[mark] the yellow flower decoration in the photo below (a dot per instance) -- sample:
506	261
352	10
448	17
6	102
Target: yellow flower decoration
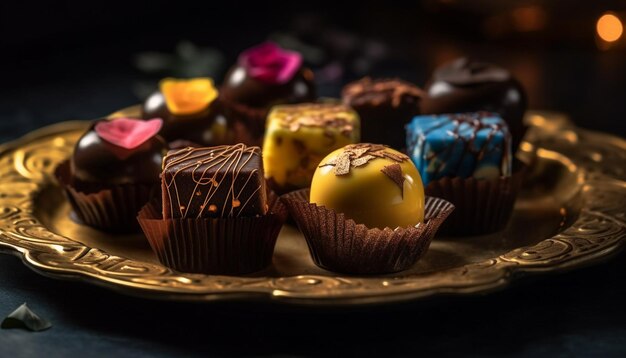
185	97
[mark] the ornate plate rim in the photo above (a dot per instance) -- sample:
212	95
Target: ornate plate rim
598	232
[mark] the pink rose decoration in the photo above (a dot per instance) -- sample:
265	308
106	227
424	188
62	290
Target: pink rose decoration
127	132
269	63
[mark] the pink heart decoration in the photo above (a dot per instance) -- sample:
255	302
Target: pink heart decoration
269	63
128	133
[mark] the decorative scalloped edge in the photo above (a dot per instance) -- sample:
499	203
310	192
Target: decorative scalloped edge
26	166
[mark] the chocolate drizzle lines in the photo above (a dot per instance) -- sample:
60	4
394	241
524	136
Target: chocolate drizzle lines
356	155
394	172
474	120
229	160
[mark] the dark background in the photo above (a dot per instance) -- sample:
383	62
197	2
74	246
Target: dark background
66	60
83	59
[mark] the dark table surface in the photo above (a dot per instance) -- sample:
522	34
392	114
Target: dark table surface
578	313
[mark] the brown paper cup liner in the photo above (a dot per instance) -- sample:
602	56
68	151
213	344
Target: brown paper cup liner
112	208
339	244
482	206
225	246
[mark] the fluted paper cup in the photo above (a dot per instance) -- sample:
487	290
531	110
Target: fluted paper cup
339	244
110	208
483	206
235	245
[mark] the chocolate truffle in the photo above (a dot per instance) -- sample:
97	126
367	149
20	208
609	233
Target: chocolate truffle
118	151
467	86
264	76
213	182
460	145
385	106
299	136
113	172
191	112
371	184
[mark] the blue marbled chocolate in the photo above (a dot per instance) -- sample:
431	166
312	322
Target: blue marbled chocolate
459	145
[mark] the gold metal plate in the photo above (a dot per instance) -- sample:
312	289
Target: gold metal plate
570	213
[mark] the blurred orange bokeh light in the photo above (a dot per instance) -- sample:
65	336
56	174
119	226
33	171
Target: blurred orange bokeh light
609	27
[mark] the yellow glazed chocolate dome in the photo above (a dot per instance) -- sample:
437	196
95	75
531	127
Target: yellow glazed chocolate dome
371	184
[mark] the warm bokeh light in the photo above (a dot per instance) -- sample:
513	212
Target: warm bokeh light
609	27
529	18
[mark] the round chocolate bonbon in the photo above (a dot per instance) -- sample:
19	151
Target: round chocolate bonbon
371	184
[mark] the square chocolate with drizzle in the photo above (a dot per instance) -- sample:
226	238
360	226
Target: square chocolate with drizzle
462	145
217	182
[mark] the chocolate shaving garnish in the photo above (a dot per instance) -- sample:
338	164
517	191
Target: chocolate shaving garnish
342	167
320	115
356	155
362	161
359	152
394	172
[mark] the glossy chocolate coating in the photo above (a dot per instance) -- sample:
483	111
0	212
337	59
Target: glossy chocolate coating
240	88
207	128
371	184
222	181
385	106
467	86
96	161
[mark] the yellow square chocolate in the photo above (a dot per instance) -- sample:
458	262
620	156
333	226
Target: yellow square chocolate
299	136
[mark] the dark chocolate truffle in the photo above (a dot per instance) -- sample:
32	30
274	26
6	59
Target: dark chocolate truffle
264	76
385	106
202	124
467	86
100	161
222	181
241	88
